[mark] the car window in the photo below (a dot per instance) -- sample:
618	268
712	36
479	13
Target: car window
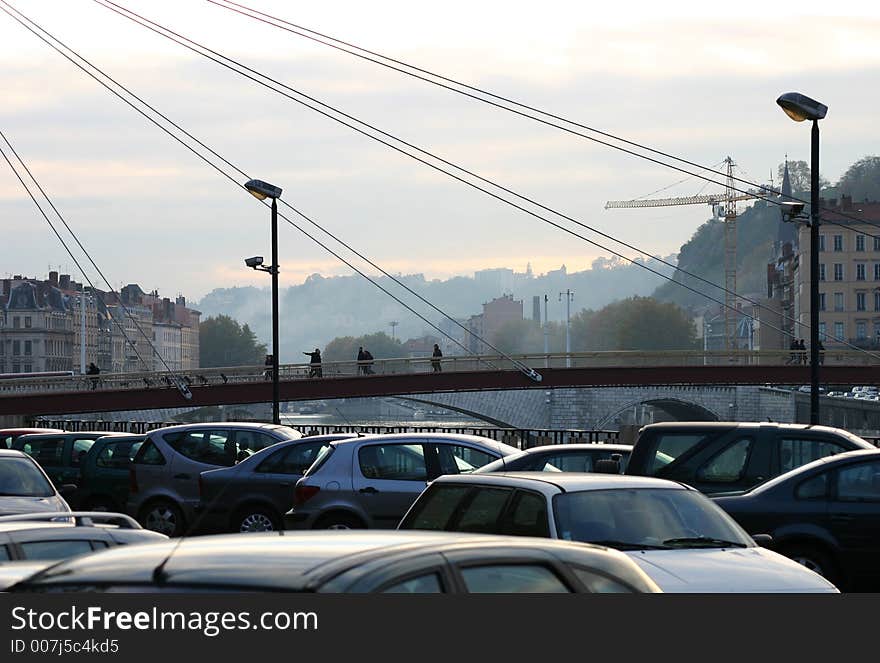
859	483
483	513
794	452
149	454
457	459
814	488
322	457
46	452
19	477
512	578
729	464
6	442
435	508
55	549
574	461
212	447
669	446
79	450
599	583
426	584
117	455
4	554
295	459
400	462
528	515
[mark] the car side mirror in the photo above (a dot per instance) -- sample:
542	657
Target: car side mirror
763	540
67	489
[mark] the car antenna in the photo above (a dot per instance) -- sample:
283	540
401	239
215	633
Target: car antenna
346	419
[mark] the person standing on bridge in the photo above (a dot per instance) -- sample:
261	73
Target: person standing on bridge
362	364
368	357
315	364
93	370
802	351
435	359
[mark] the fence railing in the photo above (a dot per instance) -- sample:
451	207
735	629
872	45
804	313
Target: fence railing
418	365
522	438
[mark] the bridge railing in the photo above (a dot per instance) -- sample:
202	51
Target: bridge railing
418	365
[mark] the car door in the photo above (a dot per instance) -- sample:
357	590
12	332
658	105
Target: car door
387	477
854	515
276	476
199	450
722	467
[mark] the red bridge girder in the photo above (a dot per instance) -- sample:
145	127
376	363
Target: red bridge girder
391	385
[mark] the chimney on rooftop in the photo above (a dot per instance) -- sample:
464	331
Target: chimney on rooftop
64	281
846	202
53	278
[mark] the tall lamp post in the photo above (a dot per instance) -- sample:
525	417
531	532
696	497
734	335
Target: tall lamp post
262	190
799	108
569	295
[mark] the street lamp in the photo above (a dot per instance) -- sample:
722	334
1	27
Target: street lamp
262	190
799	108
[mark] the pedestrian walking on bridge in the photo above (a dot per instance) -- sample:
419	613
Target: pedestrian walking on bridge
315	364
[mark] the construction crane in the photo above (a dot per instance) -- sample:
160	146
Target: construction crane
722	204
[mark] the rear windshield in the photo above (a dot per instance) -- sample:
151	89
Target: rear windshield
19	477
322	457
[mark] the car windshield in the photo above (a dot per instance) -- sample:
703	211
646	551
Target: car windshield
19	477
639	518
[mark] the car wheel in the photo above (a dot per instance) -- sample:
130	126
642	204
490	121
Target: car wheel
339	521
164	517
256	519
815	559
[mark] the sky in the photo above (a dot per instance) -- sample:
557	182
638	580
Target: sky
694	81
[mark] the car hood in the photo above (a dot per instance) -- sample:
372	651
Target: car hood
753	570
12	506
13	572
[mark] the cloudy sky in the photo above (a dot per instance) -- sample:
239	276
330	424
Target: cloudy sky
697	82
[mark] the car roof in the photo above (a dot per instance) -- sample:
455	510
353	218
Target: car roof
26	431
13	453
561	481
219	424
592	446
272	560
835	459
720	425
452	437
90	433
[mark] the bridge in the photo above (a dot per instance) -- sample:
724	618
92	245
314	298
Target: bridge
666	379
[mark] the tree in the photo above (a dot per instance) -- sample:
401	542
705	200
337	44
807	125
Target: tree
519	337
637	323
380	345
862	180
223	342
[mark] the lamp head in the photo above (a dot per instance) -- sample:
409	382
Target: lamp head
254	262
262	190
800	107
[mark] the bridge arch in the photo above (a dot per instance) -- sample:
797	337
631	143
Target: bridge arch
677	408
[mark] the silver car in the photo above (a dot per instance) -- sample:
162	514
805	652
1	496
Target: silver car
164	475
372	481
25	488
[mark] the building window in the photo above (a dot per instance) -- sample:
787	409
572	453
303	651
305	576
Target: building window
838	242
877	271
16	367
27	348
821	242
877	243
838	330
860	242
838	301
822	271
16	349
28	368
861	330
838	271
16	322
860	272
27	322
822	336
877	331
822	301
877	301
860	301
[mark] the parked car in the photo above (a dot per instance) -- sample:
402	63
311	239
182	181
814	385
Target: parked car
59	535
372	481
60	454
104	473
164	474
726	456
25	488
825	515
562	458
9	435
254	495
354	562
679	537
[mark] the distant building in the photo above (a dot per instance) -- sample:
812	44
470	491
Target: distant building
487	324
420	347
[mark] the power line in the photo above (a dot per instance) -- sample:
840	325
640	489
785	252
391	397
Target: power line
522	367
194	46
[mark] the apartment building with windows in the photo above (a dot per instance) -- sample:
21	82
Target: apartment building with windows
849	273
